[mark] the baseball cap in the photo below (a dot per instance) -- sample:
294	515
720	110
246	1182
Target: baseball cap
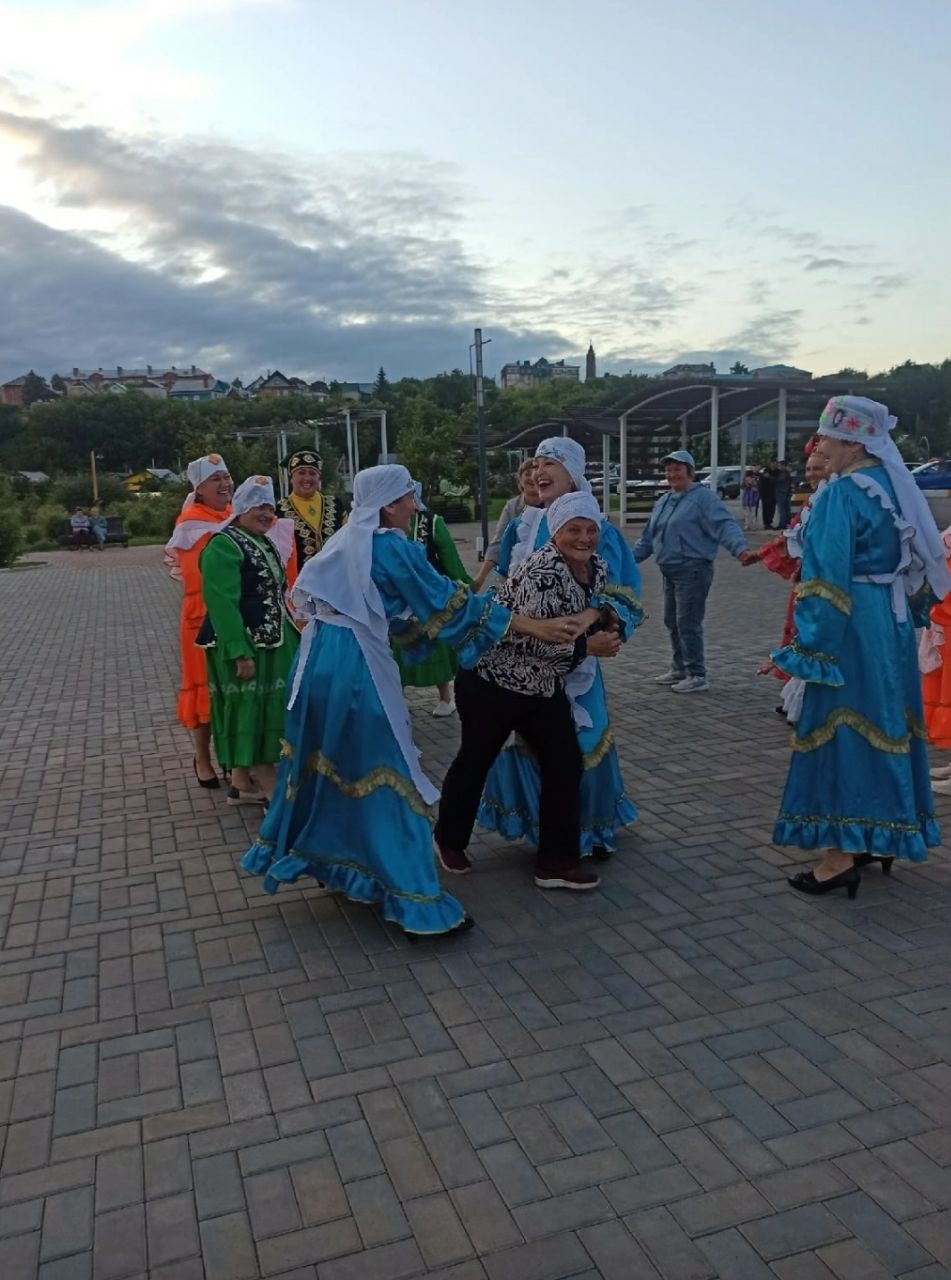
681	455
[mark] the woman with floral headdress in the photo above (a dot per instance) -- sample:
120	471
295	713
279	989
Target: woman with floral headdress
512	796
205	511
249	640
352	805
858	786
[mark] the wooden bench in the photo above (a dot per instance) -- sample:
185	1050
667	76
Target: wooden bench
115	534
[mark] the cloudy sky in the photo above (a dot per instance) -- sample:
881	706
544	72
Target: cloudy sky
326	187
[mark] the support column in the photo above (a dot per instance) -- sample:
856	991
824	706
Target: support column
385	457
683	431
714	436
622	470
744	442
349	426
606	474
781	425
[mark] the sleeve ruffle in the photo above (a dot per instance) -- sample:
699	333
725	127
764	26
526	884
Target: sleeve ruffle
625	606
808	665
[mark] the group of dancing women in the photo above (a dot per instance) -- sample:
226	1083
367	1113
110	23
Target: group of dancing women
289	668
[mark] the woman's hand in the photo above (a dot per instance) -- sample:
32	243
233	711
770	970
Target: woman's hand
604	644
550	630
244	668
748	557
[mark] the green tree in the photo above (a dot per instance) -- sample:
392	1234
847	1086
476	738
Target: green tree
35	389
739	368
428	443
381	388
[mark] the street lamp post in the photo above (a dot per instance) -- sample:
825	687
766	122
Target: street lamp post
483	461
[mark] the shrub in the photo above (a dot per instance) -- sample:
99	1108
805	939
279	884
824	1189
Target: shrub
11	535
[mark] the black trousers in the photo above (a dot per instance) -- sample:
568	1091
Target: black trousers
489	714
768	501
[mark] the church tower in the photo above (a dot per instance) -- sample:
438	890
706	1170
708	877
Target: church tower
590	364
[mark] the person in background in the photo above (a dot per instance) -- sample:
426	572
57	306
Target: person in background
316	516
527	496
249	640
767	493
784	487
98	525
205	510
936	680
749	499
858	786
686	529
432	534
79	529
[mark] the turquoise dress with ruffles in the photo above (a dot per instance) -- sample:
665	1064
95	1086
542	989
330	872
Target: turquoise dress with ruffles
346	810
858	780
512	791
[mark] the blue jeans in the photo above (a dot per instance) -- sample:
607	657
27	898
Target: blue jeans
685	598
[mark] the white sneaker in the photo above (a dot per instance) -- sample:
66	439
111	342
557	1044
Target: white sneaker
942	786
691	684
941	771
669	677
444	709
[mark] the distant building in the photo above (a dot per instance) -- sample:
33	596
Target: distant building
275	386
135	482
11	392
690	371
590	364
35	477
354	392
523	374
158	383
774	372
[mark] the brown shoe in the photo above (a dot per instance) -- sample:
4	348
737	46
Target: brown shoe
574	879
453	860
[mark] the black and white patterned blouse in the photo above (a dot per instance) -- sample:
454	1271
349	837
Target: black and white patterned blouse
541	587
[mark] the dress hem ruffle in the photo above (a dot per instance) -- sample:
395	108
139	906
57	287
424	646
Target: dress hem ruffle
519	824
811	670
432	916
884	840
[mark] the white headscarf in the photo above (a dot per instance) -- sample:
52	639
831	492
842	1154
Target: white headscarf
202	468
572	506
869	423
571	456
256	491
339	575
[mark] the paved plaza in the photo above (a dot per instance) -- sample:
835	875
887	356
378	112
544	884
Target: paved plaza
693	1073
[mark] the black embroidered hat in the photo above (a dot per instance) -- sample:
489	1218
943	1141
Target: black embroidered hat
302	458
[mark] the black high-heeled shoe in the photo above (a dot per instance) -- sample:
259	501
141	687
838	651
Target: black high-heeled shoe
464	925
870	860
210	784
806	882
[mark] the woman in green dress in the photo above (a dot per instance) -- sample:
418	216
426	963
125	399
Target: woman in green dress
249	639
440	665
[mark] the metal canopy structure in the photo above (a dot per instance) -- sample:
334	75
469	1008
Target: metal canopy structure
687	407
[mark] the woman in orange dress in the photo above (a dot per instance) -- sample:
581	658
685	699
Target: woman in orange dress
934	659
204	512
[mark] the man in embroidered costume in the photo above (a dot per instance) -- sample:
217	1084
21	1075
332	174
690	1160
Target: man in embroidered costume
858	785
432	533
205	510
316	515
510	803
249	641
352	804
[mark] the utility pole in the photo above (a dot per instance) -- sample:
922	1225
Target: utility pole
483	463
95	479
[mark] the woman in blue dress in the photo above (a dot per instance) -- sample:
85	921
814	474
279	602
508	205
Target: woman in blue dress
858	787
512	792
352	806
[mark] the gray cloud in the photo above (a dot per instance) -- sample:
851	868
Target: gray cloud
239	259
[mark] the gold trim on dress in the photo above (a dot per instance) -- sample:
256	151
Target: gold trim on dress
913	828
815	654
381	776
827	591
314	861
417	631
876	737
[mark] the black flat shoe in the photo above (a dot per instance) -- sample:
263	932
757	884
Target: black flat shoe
464	925
870	860
806	882
600	854
210	784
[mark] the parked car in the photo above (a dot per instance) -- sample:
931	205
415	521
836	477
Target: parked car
935	474
728	480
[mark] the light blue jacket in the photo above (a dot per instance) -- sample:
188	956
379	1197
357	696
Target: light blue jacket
692	525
